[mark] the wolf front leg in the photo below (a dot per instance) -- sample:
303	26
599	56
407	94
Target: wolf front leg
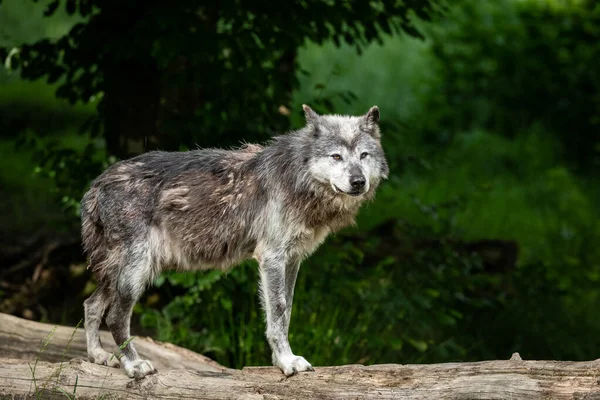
273	289
291	273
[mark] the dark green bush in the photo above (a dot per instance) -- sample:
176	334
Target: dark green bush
505	66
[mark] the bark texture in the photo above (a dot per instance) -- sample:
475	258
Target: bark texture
184	374
24	340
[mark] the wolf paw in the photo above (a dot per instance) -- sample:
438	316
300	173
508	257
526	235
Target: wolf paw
103	357
291	365
139	368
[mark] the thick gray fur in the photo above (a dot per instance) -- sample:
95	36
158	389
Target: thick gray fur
214	208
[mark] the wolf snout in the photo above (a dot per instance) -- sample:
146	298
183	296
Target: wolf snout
357	182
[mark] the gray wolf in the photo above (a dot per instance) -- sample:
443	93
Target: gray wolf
214	208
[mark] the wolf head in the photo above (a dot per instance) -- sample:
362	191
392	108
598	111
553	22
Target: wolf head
346	152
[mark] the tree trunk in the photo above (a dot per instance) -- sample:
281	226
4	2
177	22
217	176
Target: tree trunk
131	105
184	374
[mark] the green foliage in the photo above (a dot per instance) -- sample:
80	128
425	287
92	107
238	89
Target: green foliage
180	75
477	121
215	313
506	66
24	22
513	188
207	74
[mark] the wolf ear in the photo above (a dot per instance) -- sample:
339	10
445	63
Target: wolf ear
372	116
310	114
371	123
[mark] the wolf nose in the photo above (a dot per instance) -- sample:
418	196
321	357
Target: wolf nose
357	181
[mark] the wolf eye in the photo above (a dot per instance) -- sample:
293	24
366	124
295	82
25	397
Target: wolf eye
363	155
336	157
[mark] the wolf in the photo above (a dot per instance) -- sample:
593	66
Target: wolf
214	208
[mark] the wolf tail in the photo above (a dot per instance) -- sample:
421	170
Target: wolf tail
94	241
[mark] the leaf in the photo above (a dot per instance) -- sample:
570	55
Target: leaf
71	6
226	303
396	344
160	280
420	345
85	127
51	8
67	395
85	7
55	74
96	126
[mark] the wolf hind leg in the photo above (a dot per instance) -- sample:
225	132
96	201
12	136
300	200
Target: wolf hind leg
129	288
94	309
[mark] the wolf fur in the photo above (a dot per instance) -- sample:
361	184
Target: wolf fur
214	208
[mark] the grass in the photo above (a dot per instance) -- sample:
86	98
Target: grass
42	390
45	343
67	349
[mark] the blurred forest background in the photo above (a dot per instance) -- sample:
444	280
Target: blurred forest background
484	241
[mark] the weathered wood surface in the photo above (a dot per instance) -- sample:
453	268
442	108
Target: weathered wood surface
483	380
22	339
510	379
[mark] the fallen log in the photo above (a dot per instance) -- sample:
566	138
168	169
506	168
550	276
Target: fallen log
23	339
77	378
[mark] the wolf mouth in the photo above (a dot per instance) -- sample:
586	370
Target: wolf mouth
354	193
